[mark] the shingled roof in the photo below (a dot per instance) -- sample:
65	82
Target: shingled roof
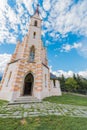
0	78
52	76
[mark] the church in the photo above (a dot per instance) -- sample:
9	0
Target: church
27	73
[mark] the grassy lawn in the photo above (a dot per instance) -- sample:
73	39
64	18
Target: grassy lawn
44	123
2	102
68	99
49	122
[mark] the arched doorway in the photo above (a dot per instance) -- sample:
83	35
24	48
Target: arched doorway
28	84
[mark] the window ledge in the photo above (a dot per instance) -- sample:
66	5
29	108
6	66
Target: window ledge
31	62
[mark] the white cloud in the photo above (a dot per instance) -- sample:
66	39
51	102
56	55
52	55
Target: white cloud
59	73
68	47
64	16
69	73
8	21
47	43
83	49
28	5
46	5
43	13
83	73
12	18
67	16
4	59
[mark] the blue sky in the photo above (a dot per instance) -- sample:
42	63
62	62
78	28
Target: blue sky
64	32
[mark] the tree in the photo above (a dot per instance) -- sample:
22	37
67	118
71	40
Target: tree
62	82
74	76
83	86
82	82
71	85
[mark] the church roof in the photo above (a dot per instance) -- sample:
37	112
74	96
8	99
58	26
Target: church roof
53	77
36	13
0	78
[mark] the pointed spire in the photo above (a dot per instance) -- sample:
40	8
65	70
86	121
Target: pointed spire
37	10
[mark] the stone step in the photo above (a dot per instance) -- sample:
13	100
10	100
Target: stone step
26	97
30	98
25	100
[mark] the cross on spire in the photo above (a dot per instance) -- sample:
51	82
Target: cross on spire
37	10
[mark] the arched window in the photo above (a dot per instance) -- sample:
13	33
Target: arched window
35	23
32	54
34	35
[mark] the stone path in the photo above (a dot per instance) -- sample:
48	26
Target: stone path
42	109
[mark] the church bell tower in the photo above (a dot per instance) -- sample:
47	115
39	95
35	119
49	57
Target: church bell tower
35	29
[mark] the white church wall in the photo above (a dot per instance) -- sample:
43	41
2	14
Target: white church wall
12	67
55	90
45	91
6	92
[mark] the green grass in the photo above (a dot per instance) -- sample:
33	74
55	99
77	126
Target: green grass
45	123
2	102
68	99
49	122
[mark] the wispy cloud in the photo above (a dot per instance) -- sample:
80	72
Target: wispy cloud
81	47
64	16
14	20
69	47
67	16
4	59
47	5
83	50
69	73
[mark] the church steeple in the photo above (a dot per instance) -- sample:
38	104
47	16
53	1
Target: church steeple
35	28
37	13
37	10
